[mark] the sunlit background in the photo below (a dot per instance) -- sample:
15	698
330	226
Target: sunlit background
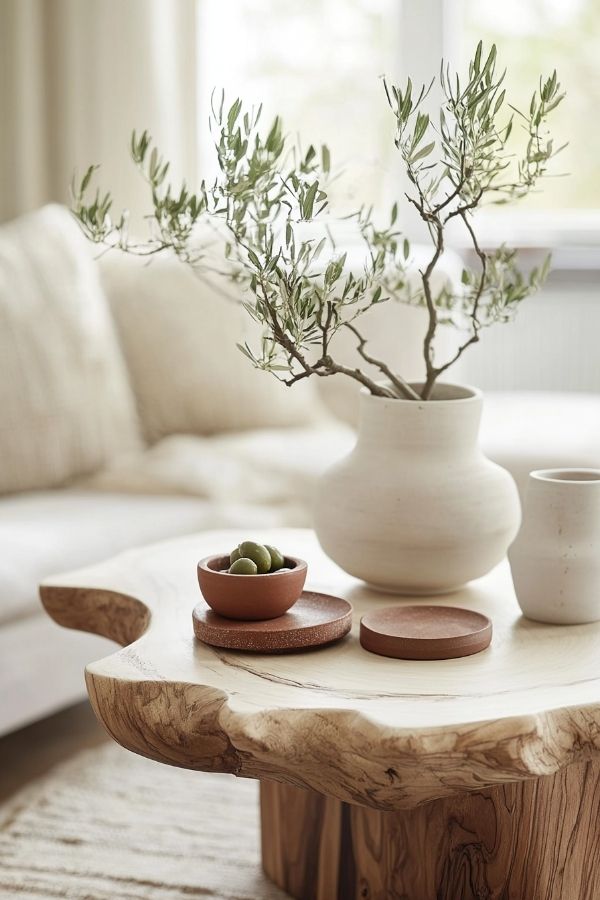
78	76
319	64
537	37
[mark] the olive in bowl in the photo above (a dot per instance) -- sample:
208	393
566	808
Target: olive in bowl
250	596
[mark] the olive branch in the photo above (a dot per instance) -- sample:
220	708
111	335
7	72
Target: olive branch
300	289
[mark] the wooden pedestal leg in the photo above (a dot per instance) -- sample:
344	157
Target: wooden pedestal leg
534	840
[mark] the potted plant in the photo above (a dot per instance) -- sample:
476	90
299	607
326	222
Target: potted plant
415	507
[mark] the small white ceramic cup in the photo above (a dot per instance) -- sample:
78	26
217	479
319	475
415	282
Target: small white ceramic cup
555	559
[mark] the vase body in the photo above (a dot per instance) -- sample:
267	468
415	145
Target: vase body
555	559
416	507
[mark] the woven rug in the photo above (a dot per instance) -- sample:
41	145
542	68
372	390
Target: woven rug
109	825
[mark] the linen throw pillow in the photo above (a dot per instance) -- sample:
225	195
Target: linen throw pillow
65	400
179	334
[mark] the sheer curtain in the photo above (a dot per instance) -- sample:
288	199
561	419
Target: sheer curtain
76	76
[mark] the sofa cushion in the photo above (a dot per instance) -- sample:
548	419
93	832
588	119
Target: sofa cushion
32	647
66	402
274	467
520	431
47	532
179	335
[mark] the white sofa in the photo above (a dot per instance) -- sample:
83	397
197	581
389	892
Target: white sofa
129	416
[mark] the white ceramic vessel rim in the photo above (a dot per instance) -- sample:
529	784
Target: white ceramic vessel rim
468	394
567	476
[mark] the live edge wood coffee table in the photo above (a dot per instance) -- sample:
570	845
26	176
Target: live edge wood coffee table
462	779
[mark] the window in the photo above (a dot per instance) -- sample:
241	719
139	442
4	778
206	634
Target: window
533	38
317	62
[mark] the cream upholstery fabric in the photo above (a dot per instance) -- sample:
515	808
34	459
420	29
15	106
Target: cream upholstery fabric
179	337
47	532
276	467
65	400
520	431
32	647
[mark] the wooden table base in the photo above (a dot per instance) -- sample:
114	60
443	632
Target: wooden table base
534	840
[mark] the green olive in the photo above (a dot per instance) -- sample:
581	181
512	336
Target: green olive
243	566
258	554
235	554
277	560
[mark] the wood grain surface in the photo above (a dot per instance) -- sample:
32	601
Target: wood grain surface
535	840
383	733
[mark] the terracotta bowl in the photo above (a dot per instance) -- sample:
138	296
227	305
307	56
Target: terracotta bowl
250	597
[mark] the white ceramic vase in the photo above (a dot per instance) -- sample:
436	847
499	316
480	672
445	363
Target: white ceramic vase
555	559
416	508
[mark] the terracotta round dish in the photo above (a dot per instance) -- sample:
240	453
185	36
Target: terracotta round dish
250	597
315	620
425	632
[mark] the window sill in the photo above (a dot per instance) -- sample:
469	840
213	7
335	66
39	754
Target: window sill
575	249
571	236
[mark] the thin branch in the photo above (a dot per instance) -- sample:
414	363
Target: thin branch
324	366
399	383
440	369
483	260
466	207
431	373
325	328
475	324
440	206
334	368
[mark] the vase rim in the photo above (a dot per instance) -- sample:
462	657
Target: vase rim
566	475
466	393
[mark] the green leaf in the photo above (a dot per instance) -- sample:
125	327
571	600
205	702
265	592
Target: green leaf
489	63
545	267
234	111
421	154
309	200
420	128
499	101
319	248
532	104
274	137
87	178
246	351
